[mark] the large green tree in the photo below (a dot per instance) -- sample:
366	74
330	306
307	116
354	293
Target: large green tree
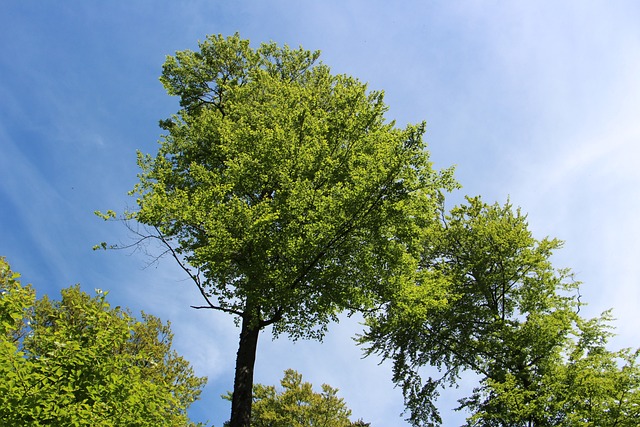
283	192
512	318
80	362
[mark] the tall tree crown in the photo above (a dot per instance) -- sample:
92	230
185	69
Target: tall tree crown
281	187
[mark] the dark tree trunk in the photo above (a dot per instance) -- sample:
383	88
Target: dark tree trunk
243	382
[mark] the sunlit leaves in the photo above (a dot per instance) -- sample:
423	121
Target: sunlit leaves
512	318
283	184
80	362
298	405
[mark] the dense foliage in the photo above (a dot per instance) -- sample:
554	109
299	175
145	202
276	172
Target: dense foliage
283	192
511	318
297	405
80	362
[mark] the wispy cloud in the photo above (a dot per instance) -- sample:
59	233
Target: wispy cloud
537	101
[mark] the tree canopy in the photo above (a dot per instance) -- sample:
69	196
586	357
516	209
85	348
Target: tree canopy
283	192
297	405
80	362
513	319
283	185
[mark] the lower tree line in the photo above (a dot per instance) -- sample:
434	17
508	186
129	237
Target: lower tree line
505	313
78	361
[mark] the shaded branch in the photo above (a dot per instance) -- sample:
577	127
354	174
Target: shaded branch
194	277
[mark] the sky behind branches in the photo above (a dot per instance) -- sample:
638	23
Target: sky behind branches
536	102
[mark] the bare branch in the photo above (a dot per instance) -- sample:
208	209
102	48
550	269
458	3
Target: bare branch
217	307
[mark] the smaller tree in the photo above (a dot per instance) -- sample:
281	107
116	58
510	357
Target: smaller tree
79	362
297	405
512	318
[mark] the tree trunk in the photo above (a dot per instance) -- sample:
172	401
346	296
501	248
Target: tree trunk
243	382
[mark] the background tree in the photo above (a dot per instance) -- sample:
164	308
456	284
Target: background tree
597	386
588	385
297	405
79	362
511	318
283	192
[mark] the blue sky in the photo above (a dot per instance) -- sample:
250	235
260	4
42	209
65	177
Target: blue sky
537	101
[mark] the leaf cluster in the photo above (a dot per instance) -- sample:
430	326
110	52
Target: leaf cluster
79	362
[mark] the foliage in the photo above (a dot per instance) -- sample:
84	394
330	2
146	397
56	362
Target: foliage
587	386
79	362
297	405
283	192
511	318
283	185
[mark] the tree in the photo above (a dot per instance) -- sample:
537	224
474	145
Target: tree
79	362
596	386
588	385
283	192
297	405
511	318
